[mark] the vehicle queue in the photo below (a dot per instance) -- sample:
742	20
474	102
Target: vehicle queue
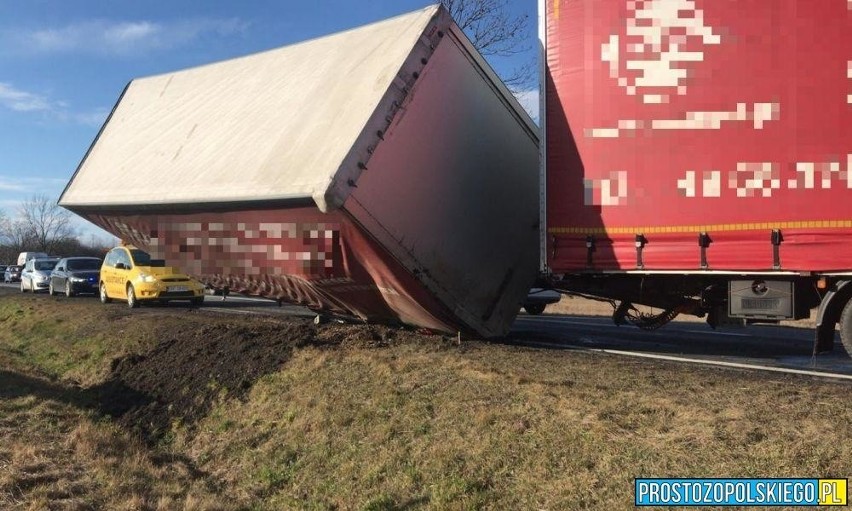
130	274
126	273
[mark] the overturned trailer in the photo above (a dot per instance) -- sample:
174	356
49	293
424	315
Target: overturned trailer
384	172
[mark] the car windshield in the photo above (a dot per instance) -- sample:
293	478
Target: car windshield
140	257
14	268
44	265
84	264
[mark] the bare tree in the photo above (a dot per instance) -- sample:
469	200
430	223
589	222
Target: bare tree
495	32
7	250
42	224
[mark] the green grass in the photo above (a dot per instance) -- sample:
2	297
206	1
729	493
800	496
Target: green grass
39	335
418	424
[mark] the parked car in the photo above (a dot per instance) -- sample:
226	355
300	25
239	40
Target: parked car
12	273
129	273
538	299
36	274
74	275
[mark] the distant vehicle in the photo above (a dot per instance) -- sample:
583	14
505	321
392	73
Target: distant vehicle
129	273
36	274
2	268
74	275
23	257
12	273
538	299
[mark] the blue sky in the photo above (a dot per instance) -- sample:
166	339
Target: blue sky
63	65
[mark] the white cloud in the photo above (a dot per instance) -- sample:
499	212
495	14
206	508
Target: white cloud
15	189
29	102
31	185
22	101
529	100
7	185
105	37
94	117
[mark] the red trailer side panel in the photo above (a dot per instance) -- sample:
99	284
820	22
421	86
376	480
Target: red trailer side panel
669	118
300	255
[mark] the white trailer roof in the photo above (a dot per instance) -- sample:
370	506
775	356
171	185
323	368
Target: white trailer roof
270	126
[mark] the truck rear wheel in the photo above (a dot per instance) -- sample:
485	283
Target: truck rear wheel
846	327
534	309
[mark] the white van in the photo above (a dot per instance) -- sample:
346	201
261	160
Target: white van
23	257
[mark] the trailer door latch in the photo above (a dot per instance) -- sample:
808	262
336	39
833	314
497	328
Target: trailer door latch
590	249
641	241
704	242
776	238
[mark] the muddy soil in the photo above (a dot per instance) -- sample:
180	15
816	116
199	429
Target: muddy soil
200	358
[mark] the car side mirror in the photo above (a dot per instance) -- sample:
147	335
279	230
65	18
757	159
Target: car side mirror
120	266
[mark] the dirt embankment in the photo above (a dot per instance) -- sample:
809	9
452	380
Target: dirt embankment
201	359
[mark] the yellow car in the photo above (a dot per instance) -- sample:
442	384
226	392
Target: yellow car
129	273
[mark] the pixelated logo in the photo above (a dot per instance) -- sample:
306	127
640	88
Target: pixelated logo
660	43
609	191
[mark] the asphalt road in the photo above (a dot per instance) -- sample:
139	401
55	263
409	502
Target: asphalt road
765	346
759	345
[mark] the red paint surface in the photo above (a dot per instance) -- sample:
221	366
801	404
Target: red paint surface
791	53
299	255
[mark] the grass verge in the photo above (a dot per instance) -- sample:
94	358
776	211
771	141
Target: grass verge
360	417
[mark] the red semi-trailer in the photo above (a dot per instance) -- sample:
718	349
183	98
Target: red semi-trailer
698	157
383	172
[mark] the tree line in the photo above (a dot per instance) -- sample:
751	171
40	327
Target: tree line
41	225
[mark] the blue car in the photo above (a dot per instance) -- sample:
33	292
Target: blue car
75	275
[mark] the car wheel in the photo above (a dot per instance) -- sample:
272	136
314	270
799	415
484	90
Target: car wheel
104	296
23	289
50	289
534	309
68	292
132	302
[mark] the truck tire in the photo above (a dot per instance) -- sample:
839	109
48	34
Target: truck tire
534	309
846	327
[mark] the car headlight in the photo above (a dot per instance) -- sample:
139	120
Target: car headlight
77	279
144	277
